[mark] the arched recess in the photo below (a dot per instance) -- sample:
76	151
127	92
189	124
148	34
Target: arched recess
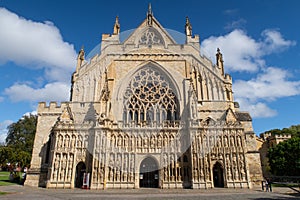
149	173
80	170
218	175
150	95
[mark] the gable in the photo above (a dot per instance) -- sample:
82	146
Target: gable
150	32
66	115
229	116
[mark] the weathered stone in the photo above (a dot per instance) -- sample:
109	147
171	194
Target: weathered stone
146	112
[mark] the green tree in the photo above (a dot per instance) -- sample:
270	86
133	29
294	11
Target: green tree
6	153
20	139
293	130
284	158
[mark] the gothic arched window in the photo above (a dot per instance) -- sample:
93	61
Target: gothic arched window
149	97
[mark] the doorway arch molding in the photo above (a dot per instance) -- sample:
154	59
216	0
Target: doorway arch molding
149	172
218	174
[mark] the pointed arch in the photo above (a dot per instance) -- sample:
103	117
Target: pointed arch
221	88
150	90
218	174
217	90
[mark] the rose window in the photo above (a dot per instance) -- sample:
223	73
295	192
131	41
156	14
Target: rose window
149	97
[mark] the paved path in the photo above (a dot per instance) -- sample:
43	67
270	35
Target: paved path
24	193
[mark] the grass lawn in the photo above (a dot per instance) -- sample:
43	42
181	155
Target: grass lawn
2	193
4	179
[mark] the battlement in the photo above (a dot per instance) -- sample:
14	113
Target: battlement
52	106
283	136
274	139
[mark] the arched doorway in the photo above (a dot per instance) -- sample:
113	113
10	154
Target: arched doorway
149	173
218	175
80	170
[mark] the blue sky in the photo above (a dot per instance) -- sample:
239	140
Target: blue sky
259	39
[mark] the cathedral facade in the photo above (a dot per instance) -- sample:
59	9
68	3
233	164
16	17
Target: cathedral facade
146	112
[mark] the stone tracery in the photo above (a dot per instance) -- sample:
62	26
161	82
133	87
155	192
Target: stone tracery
149	97
151	37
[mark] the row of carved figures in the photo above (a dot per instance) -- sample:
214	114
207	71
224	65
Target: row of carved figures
120	167
154	141
233	165
62	167
67	142
132	143
218	140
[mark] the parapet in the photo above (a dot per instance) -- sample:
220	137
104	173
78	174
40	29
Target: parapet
52	107
105	36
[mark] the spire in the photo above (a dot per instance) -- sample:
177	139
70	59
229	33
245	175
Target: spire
188	27
149	15
219	58
116	27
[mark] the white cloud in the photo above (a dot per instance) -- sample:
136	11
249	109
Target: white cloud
235	24
257	109
270	85
30	113
267	86
231	12
244	54
274	42
35	44
240	52
57	91
3	130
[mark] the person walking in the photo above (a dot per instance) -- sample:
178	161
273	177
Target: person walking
267	185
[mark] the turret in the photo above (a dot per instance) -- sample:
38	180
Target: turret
190	39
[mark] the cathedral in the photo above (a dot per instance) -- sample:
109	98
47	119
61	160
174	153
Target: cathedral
146	111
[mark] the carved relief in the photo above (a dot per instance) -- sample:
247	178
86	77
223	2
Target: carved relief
151	37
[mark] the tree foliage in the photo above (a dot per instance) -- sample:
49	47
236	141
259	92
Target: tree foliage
19	141
284	158
293	130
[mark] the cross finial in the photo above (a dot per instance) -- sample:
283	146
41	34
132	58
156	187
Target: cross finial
149	15
150	10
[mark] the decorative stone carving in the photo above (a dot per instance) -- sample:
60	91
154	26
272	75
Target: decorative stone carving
151	37
132	102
